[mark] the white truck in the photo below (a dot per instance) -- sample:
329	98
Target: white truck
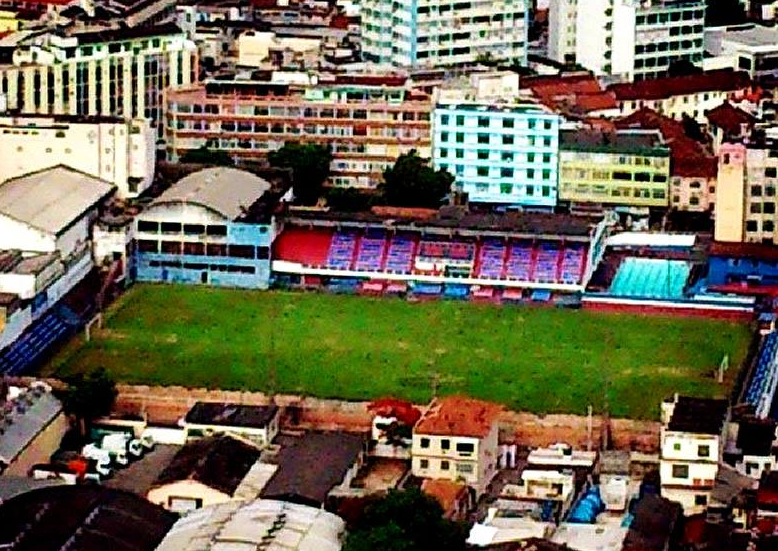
123	442
91	451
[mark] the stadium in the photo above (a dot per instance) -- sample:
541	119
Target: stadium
431	309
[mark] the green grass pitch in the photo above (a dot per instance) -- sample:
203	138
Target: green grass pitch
538	359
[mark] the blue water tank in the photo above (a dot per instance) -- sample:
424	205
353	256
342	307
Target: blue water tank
588	507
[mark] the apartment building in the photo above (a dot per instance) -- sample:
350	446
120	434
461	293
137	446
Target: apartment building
456	439
562	17
692	444
121	73
745	198
109	148
626	167
750	47
636	39
367	120
501	147
429	33
690	95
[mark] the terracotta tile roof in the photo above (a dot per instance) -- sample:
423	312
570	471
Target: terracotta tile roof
724	80
729	118
689	157
447	492
580	92
458	416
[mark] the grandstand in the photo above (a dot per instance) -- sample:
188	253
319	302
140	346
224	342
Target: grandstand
645	272
450	253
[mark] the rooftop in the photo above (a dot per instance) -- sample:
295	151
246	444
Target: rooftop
262	524
51	199
725	80
82	518
220	463
127	33
311	466
227	191
698	415
640	142
446	492
28	414
578	93
231	415
729	118
749	34
458	416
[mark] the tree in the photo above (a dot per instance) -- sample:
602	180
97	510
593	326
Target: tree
204	155
411	182
349	199
310	164
89	397
405	520
724	12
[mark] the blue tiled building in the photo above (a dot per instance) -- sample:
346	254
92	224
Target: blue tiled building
209	228
500	153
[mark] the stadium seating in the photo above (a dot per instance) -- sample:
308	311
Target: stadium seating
650	278
370	257
399	257
572	266
491	260
342	250
520	262
449	250
546	264
766	368
37	339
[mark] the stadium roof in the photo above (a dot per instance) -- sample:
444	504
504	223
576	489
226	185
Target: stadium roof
269	525
25	424
312	466
220	462
458	416
82	518
231	415
647	239
51	199
725	80
227	191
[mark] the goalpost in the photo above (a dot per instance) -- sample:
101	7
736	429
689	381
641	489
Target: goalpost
98	319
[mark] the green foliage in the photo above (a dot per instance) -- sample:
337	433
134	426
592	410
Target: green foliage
411	182
405	520
204	155
349	199
360	348
724	12
90	396
310	164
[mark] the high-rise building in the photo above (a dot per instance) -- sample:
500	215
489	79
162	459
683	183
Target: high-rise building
502	149
638	39
120	73
423	33
366	120
562	15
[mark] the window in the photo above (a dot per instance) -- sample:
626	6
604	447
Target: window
507	140
464	468
767	225
216	231
680	471
194	229
546	157
703	451
445	444
183	504
242	251
483	138
701	499
483	154
752	226
756	191
444	136
530	157
483	122
424	464
147	246
506	189
459	153
507	123
770	172
460	120
506	172
546	174
530	173
465	448
482	171
677	446
531	124
171	227
151	227
444	119
460	137
444	465
507	156
425	443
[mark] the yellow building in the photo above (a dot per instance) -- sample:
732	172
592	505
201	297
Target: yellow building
456	439
730	195
626	167
8	21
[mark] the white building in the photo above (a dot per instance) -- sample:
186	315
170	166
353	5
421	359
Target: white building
692	444
109	148
750	47
120	72
429	33
562	21
638	39
456	439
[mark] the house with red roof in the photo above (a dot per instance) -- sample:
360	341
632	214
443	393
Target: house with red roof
730	123
574	95
690	95
693	167
456	440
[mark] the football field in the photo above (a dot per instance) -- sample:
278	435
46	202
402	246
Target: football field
543	360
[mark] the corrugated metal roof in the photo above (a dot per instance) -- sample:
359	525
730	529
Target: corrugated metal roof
51	199
27	425
246	526
228	191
